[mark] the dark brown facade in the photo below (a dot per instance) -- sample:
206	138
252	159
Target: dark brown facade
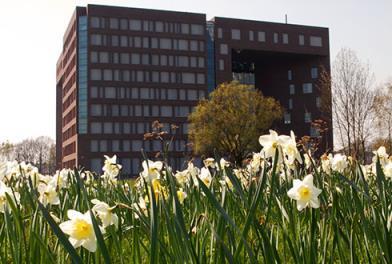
123	68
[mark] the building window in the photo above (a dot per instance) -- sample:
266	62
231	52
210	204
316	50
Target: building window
185	28
314	73
103	145
224	49
290	75
220	33
96	165
197	29
201	78
96	39
301	40
188	78
251	35
287	118
95	75
285	38
135	25
124	24
316	41
290	103
104	57
235	34
292	88
94	146
110	92
261	36
276	37
96	128
318	102
158	26
95	22
193	45
137	145
221	65
307	88
113	23
166	111
308	117
183	44
107	128
165	43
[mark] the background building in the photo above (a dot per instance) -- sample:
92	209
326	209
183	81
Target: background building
123	68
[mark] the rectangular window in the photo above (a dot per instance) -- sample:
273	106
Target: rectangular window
124	58
201	78
221	65
96	39
276	38
107	128
126	145
124	41
110	92
251	35
137	42
188	78
292	89
94	57
95	128
290	75
124	24
193	45
96	165
318	102
135	58
307	88
113	23
285	38
107	75
236	34
287	118
316	41
103	145
166	111
95	75
201	62
290	103
220	33
154	43
158	26
261	36
197	29
135	25
224	49
104	57
314	72
183	44
115	41
301	40
185	28
94	146
165	43
308	117
94	22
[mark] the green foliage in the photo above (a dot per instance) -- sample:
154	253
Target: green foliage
230	121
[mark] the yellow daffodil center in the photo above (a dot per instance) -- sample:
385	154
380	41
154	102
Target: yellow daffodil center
275	144
82	229
305	193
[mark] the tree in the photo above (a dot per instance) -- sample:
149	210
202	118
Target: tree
230	122
6	150
352	102
383	111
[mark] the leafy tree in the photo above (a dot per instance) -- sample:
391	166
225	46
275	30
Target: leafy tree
230	122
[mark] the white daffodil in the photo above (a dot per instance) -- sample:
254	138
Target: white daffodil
4	190
339	163
151	170
104	212
272	142
80	230
257	162
62	178
205	176
290	148
48	193
111	169
209	162
305	193
181	195
388	170
9	170
224	163
182	177
326	162
382	154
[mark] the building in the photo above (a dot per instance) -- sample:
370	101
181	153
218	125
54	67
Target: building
123	68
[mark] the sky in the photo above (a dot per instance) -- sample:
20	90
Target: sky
32	31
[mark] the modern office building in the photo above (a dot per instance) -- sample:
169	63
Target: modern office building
123	68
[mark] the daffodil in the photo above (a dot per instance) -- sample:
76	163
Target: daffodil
209	162
4	190
182	177
48	193
290	148
151	170
181	195
80	230
158	188
388	170
257	162
326	162
305	193
382	154
205	176
272	142
105	213
339	163
111	169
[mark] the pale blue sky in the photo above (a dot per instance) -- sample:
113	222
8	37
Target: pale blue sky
31	40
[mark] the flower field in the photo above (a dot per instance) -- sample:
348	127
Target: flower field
283	206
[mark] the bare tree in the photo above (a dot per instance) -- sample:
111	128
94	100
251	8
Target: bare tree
383	111
6	151
352	102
